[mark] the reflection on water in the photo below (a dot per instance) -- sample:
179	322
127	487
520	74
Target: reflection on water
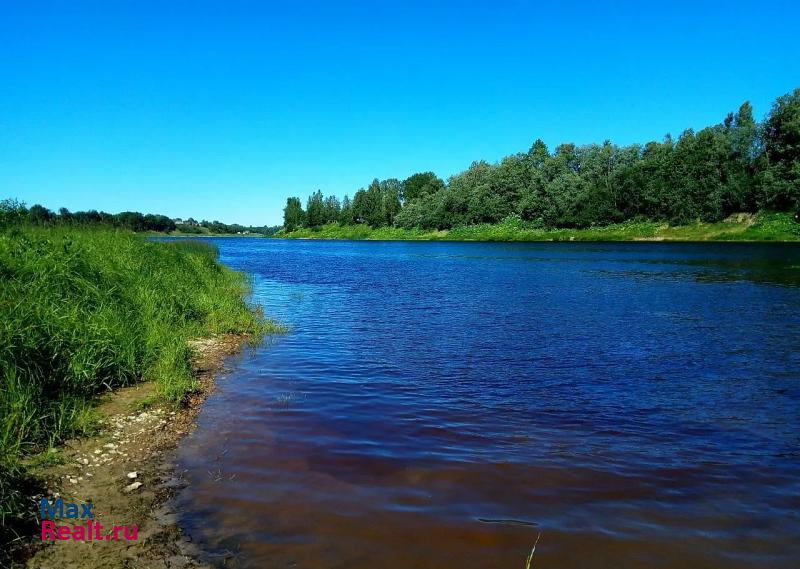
440	404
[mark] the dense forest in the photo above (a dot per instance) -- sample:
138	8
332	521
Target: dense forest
12	211
739	165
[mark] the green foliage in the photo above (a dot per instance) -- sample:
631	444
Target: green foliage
136	221
359	231
293	214
315	210
320	210
13	212
206	227
186	229
390	192
369	205
420	185
765	226
40	215
82	311
780	177
331	209
703	177
347	215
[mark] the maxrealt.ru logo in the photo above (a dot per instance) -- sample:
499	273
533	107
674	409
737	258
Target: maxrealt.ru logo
91	531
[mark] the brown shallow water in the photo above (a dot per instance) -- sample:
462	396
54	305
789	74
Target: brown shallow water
442	404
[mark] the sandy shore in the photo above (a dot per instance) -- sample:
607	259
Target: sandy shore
127	471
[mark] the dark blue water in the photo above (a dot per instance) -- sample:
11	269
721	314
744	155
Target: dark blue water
442	404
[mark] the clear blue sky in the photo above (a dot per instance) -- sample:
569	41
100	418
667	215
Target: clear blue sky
221	110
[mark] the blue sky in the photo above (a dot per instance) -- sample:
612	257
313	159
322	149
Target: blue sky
221	110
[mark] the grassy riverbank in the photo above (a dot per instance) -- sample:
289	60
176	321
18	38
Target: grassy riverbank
764	226
82	311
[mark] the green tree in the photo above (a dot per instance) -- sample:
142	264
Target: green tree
40	215
780	177
132	220
64	215
391	191
315	210
332	209
538	154
368	205
470	197
733	166
532	196
737	193
160	223
12	212
411	215
293	214
346	216
420	185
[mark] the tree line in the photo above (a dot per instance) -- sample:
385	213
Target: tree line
738	165
15	212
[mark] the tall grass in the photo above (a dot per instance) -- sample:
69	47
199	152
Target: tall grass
82	311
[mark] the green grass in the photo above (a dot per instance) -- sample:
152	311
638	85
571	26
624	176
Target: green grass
362	231
82	311
764	226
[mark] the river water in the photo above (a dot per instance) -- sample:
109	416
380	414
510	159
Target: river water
443	404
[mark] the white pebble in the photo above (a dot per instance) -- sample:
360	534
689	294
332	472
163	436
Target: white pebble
132	487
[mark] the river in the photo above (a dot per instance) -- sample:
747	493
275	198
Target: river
444	404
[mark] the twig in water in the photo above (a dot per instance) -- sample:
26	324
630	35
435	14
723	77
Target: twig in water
530	557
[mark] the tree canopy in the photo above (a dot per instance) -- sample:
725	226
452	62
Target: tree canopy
735	166
14	212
